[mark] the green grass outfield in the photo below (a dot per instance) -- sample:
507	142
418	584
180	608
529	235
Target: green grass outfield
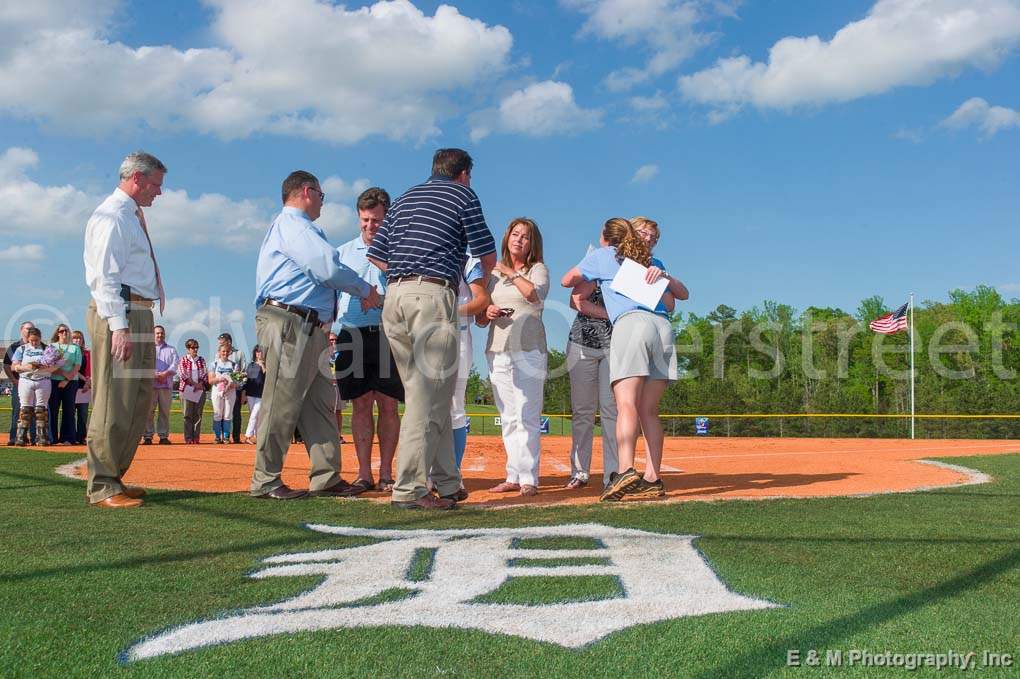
920	572
483	421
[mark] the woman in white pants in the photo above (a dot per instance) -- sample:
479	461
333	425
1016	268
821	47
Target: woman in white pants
256	374
516	351
588	366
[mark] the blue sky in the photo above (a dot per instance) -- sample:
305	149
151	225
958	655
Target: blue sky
808	153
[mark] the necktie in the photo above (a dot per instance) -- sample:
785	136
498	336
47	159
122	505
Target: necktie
152	253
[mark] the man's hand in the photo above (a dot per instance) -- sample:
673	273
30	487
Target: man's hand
373	301
653	274
120	345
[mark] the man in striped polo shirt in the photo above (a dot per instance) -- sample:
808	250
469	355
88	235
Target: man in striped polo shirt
422	246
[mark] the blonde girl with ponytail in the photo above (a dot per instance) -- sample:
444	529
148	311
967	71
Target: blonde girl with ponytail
642	356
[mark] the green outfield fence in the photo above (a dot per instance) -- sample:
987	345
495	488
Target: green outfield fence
799	425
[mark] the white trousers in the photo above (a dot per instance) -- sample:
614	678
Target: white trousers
223	403
254	410
33	393
589	384
517	382
458	411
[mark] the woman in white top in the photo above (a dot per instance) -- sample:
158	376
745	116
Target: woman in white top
516	350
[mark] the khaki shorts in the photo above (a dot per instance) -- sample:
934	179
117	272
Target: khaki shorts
642	346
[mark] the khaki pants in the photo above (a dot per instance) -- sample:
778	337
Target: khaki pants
298	392
420	322
161	399
589	384
121	403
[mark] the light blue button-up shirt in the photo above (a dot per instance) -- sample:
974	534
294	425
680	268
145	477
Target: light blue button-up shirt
297	265
354	254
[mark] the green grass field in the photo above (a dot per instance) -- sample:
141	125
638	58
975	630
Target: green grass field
920	572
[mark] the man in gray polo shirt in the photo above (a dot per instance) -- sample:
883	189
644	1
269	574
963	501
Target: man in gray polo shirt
422	246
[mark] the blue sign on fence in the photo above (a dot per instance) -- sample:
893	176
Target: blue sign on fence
701	426
545	425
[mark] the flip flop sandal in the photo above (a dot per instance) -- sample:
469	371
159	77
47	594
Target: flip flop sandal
386	485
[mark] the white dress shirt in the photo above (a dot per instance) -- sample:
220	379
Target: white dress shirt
117	253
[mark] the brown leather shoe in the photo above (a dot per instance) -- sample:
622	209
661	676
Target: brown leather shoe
459	496
428	501
118	501
340	489
283	493
134	492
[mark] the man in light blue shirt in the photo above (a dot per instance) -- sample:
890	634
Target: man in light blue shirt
366	373
296	282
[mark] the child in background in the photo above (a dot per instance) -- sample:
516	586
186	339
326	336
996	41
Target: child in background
33	388
223	393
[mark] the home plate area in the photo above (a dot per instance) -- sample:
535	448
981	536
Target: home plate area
692	468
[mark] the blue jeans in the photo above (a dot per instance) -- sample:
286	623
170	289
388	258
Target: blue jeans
62	398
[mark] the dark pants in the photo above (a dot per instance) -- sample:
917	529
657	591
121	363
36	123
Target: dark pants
62	398
15	408
81	411
235	421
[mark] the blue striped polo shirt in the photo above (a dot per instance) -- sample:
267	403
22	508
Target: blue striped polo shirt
430	228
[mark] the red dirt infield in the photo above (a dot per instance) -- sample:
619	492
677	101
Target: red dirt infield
692	468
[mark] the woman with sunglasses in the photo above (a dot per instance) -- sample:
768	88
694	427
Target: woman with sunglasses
516	351
84	395
65	386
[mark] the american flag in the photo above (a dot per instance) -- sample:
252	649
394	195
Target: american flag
891	323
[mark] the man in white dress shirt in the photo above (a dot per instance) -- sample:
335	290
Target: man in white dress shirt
123	276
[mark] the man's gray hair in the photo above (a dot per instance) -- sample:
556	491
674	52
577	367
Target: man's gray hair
140	161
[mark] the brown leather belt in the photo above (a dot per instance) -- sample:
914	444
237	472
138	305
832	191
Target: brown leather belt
310	315
136	301
423	279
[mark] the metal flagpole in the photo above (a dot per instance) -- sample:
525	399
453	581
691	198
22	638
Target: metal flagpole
911	365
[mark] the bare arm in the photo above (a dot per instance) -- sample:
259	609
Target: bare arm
572	278
479	300
579	300
378	264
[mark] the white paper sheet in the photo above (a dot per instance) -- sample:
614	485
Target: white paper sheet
630	282
82	396
192	394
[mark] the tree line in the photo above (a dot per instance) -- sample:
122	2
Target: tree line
771	359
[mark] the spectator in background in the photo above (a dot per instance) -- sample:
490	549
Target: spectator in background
256	373
15	376
35	386
193	379
64	388
517	352
224	392
84	395
240	361
162	389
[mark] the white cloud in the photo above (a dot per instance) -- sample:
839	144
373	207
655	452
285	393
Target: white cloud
189	314
175	219
538	110
387	69
665	28
915	136
898	43
32	252
645	173
651	104
976	112
1008	287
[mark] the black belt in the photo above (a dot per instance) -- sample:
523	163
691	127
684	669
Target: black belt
361	328
424	279
310	315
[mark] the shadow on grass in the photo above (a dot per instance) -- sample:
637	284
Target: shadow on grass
832	632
